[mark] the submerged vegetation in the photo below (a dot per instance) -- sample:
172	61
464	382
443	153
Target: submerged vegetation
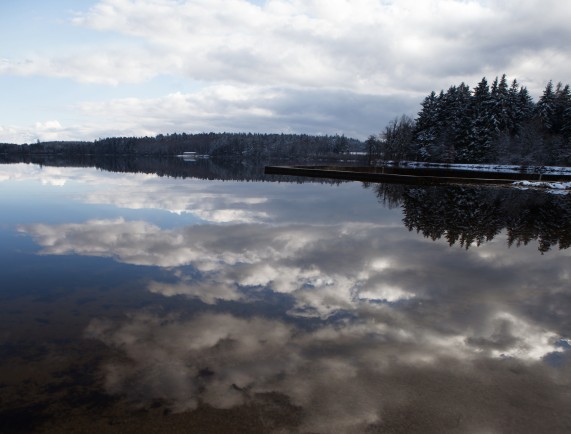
489	124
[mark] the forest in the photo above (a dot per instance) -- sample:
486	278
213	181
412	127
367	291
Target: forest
498	123
238	146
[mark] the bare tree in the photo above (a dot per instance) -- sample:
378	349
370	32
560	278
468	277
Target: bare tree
396	139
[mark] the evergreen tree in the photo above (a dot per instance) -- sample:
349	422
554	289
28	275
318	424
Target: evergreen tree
500	104
566	129
562	102
521	107
483	128
493	107
545	108
566	132
514	116
497	123
458	121
426	131
562	123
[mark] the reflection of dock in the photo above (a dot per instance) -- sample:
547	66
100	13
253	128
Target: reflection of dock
402	175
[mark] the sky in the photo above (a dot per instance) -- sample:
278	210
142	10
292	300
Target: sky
88	69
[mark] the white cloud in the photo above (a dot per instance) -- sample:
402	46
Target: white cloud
262	64
51	130
365	46
253	108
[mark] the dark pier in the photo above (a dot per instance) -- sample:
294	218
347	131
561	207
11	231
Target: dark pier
410	175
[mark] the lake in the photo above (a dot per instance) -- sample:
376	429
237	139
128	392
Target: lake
205	299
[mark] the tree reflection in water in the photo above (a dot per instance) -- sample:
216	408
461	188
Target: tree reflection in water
470	215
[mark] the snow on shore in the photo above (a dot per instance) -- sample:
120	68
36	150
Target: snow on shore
553	187
498	168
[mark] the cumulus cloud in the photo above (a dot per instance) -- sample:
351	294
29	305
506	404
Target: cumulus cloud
31	133
109	66
262	109
288	65
366	46
230	108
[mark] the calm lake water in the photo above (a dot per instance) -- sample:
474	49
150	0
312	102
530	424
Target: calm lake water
134	303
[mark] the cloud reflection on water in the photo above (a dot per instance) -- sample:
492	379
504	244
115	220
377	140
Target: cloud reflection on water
382	327
346	377
411	307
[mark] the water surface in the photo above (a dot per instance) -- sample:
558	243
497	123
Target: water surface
134	302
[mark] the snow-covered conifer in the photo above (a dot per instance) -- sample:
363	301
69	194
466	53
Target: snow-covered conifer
545	107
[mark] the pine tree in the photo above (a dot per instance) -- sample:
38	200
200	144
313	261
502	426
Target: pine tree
483	126
545	107
426	131
497	123
493	111
514	114
520	107
562	123
443	148
566	131
458	121
562	101
501	105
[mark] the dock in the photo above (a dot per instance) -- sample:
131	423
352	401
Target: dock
404	175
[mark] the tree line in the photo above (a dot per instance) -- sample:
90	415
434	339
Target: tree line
497	123
239	146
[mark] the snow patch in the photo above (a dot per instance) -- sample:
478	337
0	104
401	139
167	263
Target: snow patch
553	187
498	168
